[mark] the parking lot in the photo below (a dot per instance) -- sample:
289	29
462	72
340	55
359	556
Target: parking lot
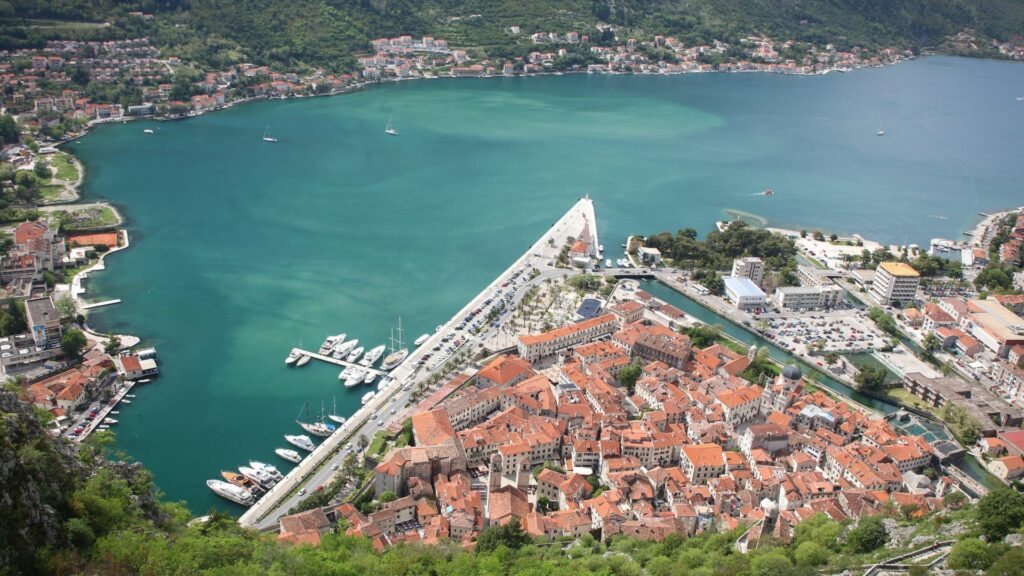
849	331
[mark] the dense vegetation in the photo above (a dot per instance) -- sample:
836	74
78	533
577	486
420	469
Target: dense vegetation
71	510
327	32
715	253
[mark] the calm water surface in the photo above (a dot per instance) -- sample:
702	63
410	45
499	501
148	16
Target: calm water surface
242	249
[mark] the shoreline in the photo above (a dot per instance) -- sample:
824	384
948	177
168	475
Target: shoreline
365	85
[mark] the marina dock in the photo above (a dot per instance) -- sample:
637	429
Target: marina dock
337	362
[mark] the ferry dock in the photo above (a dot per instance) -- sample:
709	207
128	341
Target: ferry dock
314	470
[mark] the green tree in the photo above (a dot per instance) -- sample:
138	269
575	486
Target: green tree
869	535
72	342
113	345
702	335
66	307
1010	564
972	554
773	563
811	554
1000	512
8	129
387	496
870	378
931	342
630	374
510	535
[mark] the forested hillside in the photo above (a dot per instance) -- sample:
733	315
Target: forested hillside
328	32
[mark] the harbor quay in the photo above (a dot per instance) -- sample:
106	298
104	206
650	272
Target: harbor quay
315	470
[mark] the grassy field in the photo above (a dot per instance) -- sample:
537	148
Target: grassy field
901	395
85	219
66	170
50	191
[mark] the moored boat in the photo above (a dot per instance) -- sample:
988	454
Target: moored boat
289	455
316	428
241	481
370	377
422	339
394	359
231	492
301	441
333	416
270	469
302	361
292	357
109	421
258	476
331	342
355	354
355	378
372	356
367	397
342	350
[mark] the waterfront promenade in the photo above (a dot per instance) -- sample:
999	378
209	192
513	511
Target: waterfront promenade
314	470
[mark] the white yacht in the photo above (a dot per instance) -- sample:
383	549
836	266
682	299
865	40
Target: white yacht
373	355
880	132
422	339
302	441
390	130
344	374
370	377
342	350
367	397
258	476
292	357
384	383
269	469
236	494
355	354
355	378
148	131
303	360
267	137
109	421
331	342
289	455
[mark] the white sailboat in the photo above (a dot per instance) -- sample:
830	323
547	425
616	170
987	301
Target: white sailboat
880	132
267	137
390	130
333	416
398	353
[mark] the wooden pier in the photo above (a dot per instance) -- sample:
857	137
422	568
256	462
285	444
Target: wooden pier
337	362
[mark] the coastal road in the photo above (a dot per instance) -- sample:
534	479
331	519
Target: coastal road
315	470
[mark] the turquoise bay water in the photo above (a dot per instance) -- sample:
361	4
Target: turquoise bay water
242	249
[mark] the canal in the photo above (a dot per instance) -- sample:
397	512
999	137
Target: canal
968	463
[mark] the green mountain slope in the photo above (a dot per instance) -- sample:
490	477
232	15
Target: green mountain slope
328	32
